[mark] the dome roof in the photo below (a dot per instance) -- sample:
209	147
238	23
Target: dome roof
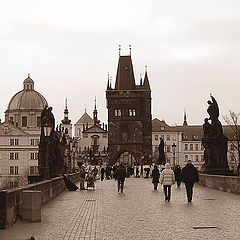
28	98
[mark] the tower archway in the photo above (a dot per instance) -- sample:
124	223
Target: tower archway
126	158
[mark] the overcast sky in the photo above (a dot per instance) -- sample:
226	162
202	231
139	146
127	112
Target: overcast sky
191	49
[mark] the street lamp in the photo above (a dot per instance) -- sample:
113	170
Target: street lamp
74	152
174	152
47	133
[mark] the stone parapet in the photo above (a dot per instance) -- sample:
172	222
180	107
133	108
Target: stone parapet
229	184
11	199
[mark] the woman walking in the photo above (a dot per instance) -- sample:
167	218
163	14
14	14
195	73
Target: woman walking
167	178
155	177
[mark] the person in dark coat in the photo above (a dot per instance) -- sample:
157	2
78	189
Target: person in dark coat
177	172
137	172
120	176
68	183
102	171
155	177
189	175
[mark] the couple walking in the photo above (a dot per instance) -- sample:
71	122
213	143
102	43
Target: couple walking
189	175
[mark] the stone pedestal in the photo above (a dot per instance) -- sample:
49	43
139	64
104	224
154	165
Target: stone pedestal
215	156
31	206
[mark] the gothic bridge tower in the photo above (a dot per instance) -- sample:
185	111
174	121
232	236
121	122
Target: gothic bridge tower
129	116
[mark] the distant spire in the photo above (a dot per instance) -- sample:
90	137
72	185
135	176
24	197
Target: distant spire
66	120
130	49
119	49
28	75
95	118
95	105
185	118
66	102
85	108
146	84
108	84
141	79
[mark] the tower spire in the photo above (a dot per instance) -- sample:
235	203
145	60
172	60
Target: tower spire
130	49
146	84
141	79
66	120
185	118
95	118
108	84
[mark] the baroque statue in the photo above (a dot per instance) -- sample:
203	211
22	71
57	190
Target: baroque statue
214	142
162	159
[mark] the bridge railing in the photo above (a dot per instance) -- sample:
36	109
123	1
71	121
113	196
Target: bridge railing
11	199
229	184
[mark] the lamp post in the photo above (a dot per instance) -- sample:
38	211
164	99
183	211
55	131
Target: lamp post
47	129
174	152
74	153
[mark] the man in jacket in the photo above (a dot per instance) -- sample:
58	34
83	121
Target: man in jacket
189	176
120	176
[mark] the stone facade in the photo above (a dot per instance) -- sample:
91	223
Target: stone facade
20	135
129	116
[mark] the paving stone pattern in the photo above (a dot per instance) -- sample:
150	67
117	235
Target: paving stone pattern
138	213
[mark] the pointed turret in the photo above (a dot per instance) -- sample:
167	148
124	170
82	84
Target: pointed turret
185	118
141	83
125	77
108	83
146	84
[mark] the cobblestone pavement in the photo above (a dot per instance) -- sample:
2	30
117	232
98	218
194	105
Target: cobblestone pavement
138	213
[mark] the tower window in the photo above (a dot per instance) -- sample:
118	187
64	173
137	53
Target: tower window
117	112
132	112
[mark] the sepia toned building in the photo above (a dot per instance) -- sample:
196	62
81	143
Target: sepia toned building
129	116
19	136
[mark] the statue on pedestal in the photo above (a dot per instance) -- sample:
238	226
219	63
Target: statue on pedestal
161	157
214	142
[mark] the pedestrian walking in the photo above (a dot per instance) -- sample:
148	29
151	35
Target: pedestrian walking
147	169
155	177
167	178
82	174
177	173
102	171
189	175
120	176
137	172
141	169
95	173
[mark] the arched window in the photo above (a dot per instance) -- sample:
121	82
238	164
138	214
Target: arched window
24	121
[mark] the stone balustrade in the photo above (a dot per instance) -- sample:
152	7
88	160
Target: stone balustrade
229	184
11	199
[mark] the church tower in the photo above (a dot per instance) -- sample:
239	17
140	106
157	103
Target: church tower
129	116
66	122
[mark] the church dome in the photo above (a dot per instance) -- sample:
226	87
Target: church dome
28	98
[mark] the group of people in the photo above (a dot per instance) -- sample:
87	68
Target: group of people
168	177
